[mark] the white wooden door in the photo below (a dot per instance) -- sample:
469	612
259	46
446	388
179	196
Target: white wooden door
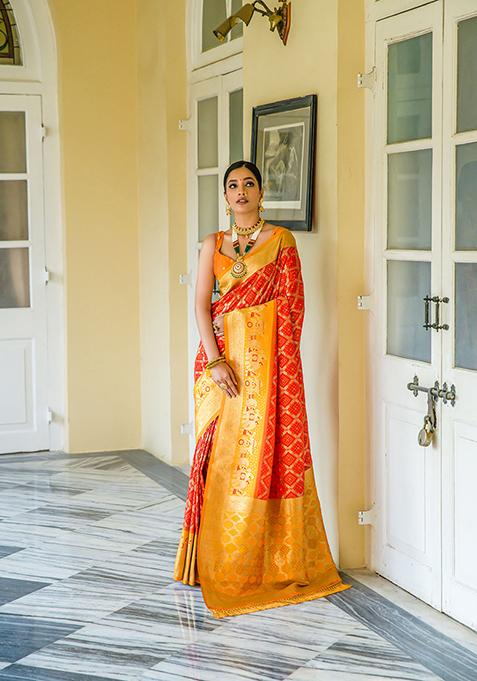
407	213
216	140
23	323
459	422
425	184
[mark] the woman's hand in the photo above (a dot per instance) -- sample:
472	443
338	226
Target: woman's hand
224	376
218	325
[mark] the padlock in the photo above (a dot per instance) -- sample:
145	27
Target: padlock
426	433
430	423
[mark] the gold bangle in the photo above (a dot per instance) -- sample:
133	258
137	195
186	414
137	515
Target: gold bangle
213	362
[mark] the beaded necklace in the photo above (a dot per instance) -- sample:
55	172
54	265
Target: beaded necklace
239	268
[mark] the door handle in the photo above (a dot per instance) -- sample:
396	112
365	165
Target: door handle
435	325
427	313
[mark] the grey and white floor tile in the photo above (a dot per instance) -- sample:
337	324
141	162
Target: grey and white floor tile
87	550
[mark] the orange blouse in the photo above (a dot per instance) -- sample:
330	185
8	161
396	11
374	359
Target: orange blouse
221	261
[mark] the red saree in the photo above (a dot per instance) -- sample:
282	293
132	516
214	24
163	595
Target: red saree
253	531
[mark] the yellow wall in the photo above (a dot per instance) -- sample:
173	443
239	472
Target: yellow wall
97	111
352	463
162	148
323	55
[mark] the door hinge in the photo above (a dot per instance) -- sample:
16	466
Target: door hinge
187	428
46	276
367	517
185	279
42	132
367	80
185	124
365	302
49	415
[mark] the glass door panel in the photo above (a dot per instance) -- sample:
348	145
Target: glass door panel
410	89
467	75
409	193
466	315
207	121
14	260
407	284
410	200
12	142
14	277
13	210
208	204
466	197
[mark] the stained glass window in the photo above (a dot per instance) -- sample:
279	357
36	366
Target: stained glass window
9	42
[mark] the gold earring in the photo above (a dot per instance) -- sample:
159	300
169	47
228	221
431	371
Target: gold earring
260	207
228	210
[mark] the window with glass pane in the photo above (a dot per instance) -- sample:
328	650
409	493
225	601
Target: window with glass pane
410	199
410	89
207	133
466	315
215	12
408	283
10	52
467	75
236	125
237	31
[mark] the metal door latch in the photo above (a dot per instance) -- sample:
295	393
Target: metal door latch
445	393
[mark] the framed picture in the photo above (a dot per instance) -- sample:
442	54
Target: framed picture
283	147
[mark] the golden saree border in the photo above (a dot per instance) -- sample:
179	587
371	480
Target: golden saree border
255	554
208	399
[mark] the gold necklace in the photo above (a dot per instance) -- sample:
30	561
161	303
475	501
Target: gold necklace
245	231
239	268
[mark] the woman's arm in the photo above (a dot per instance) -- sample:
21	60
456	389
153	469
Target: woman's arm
203	295
222	373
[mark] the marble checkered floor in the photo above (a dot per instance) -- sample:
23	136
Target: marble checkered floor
87	548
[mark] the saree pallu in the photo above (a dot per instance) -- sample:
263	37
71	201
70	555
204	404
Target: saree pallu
253	534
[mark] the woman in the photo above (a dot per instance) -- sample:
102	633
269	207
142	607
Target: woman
253	531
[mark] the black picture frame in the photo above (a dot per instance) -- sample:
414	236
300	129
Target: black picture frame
285	131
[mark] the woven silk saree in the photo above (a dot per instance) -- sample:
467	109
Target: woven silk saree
253	534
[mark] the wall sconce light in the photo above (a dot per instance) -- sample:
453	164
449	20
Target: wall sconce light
279	18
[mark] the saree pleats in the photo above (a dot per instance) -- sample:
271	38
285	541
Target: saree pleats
253	531
185	568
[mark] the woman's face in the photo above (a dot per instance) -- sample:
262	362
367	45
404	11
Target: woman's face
242	191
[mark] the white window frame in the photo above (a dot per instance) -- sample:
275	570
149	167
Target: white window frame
196	58
380	9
